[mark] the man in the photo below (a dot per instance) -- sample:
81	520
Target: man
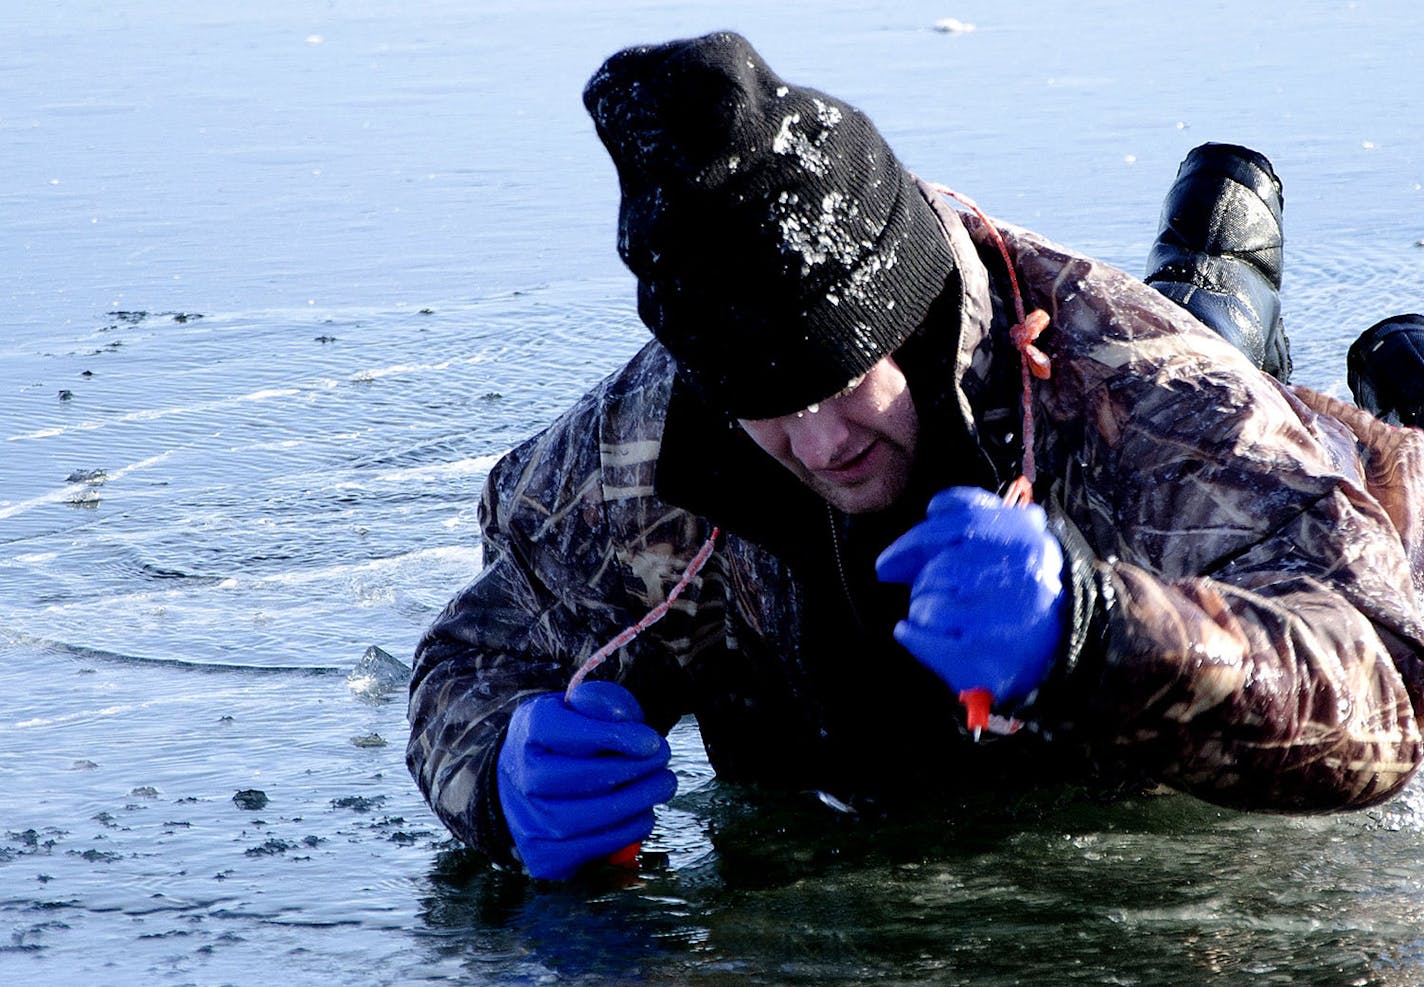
1220	591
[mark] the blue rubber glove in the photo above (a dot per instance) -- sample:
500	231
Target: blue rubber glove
987	601
578	780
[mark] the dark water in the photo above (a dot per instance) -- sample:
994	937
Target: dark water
281	280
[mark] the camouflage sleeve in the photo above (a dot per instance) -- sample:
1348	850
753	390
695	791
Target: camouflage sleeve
465	687
504	638
576	548
1260	687
1254	634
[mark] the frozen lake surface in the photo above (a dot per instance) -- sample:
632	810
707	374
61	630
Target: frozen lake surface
281	280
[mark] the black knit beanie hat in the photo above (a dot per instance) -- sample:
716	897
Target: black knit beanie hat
781	250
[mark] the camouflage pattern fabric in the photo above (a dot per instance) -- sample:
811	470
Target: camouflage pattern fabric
1247	564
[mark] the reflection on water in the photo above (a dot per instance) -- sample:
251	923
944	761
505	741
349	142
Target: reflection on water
1144	892
281	283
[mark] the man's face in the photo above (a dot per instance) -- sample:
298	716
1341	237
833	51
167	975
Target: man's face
854	449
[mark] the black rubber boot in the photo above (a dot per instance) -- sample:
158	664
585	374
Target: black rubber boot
1385	368
1218	254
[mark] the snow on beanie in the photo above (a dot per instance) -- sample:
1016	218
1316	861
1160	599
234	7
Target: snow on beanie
780	248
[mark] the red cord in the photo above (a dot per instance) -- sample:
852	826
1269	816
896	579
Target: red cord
652	617
1033	362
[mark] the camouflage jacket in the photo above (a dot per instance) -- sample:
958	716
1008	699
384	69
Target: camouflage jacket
1247	562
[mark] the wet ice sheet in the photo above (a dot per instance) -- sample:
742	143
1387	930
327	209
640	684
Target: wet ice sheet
305	271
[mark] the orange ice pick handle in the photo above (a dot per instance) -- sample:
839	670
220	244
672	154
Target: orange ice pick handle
976	709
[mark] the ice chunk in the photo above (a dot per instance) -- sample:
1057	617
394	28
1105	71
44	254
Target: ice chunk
378	676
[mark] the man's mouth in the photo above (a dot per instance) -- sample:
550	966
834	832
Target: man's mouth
850	470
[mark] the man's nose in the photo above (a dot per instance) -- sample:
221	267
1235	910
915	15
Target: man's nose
817	437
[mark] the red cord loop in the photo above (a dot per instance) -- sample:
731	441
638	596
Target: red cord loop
1023	334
